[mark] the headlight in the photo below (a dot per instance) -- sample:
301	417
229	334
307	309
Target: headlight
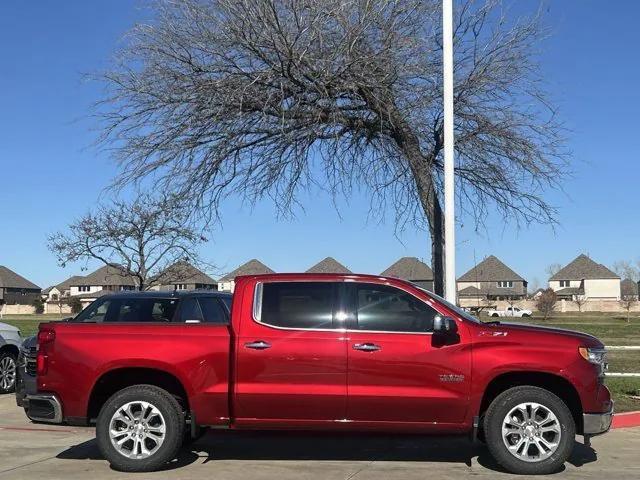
597	356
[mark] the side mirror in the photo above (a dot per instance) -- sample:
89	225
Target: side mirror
444	325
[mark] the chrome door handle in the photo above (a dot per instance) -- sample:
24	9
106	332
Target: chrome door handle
258	345
367	347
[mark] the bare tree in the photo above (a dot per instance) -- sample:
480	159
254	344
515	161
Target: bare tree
627	269
580	300
627	302
143	239
546	302
552	269
266	98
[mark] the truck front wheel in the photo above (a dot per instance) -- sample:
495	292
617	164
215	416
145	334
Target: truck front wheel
140	429
529	430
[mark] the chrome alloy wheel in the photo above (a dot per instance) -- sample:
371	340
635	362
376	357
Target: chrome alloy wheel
531	432
7	373
137	430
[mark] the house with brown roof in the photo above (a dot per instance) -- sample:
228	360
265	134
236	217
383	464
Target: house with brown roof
629	288
413	270
491	279
61	290
15	289
252	267
328	265
184	276
585	278
107	279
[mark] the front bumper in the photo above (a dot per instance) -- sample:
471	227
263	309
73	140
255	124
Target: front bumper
597	423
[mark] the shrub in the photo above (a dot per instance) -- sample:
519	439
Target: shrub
38	305
546	302
75	304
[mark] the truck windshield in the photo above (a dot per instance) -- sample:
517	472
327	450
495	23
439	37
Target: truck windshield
455	308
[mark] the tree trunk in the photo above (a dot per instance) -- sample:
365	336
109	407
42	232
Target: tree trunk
425	186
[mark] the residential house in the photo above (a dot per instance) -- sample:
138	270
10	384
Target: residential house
585	278
184	276
328	265
491	279
15	289
61	290
107	279
413	270
629	289
252	267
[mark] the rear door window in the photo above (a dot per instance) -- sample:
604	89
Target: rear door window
190	311
307	305
212	310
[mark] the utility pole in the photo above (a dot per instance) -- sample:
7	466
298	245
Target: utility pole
449	183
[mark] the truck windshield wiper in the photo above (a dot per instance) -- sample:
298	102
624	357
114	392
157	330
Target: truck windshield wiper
492	322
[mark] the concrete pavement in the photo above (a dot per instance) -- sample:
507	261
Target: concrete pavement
32	451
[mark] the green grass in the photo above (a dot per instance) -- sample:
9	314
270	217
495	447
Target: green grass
28	324
621	390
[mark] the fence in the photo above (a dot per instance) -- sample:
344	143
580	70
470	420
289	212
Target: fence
623	348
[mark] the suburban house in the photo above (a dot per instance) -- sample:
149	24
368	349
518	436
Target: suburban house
413	270
587	279
629	288
328	265
15	289
491	279
252	267
62	290
184	276
107	279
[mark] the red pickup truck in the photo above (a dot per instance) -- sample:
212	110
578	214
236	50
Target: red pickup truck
331	352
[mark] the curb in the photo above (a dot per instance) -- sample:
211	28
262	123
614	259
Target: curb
626	420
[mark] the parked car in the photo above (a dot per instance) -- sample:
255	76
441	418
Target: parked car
9	346
26	369
509	312
314	351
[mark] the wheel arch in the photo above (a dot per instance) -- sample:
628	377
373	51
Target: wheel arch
559	386
116	379
10	347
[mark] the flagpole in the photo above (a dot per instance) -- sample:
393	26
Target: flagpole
449	185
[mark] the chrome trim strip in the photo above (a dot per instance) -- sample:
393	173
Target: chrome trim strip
257	312
55	403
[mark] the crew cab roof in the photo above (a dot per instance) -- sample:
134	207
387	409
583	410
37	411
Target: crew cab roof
169	294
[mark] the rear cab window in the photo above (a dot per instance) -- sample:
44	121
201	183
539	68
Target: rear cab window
297	305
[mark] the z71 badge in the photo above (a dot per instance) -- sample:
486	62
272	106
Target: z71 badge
451	378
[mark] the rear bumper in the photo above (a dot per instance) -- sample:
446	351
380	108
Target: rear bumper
597	423
43	408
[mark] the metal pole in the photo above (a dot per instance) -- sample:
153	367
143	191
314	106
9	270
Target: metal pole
449	198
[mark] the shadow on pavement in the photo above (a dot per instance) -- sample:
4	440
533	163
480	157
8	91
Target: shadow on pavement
296	446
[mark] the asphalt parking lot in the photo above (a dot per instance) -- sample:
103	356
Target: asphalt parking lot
33	451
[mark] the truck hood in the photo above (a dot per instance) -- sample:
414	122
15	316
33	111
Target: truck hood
586	339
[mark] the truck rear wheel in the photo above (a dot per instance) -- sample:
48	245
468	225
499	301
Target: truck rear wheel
529	430
140	429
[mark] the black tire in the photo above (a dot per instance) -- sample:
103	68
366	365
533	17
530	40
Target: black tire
8	358
525	315
174	422
495	315
499	409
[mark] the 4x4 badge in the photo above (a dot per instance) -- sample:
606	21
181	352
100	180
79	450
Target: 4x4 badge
451	378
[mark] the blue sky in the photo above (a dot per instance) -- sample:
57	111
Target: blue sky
50	174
